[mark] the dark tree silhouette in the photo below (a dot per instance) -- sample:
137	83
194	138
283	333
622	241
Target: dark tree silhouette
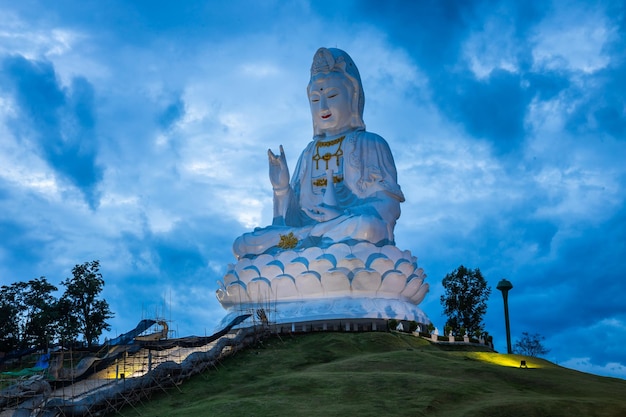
86	314
27	315
465	300
530	345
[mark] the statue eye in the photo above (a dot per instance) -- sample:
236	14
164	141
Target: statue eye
332	95
315	99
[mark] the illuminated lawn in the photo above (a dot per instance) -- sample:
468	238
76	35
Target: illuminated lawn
385	374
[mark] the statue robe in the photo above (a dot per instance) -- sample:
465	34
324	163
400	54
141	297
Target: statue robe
368	194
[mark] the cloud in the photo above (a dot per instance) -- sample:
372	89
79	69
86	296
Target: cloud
506	121
58	121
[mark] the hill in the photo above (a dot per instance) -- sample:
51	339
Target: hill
384	374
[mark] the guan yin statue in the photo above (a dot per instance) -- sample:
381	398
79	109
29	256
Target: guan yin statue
330	251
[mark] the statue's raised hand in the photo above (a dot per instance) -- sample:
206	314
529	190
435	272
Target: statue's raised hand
279	173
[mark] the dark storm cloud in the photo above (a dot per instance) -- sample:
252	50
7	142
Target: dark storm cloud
60	121
493	107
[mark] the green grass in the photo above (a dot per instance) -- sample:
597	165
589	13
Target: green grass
384	374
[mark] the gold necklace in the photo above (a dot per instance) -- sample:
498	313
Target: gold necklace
328	156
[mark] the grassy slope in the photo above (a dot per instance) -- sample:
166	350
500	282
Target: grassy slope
385	374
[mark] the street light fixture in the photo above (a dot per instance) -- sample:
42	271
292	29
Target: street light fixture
504	286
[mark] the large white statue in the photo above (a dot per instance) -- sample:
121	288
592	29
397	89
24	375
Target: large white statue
345	185
330	251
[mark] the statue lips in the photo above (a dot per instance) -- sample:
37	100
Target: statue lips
326	116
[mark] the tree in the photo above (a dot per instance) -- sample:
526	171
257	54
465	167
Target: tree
68	322
40	328
27	314
530	345
86	314
9	319
465	300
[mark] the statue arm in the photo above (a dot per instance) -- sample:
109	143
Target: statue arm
377	187
279	177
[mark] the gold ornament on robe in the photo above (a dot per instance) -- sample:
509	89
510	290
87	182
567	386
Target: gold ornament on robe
288	241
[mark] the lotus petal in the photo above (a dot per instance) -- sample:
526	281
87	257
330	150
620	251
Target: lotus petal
249	273
408	255
372	257
412	287
295	268
330	258
382	265
338	250
260	290
336	282
286	256
278	263
320	265
419	296
230	278
312	253
309	285
242	264
366	280
237	293
363	250
262	260
405	266
351	263
391	252
302	260
271	271
393	283
284	287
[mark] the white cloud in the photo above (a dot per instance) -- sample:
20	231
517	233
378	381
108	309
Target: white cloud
201	180
572	38
18	37
584	364
492	47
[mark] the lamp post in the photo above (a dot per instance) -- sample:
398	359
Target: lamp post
504	286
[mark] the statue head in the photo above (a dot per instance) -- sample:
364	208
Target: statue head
332	66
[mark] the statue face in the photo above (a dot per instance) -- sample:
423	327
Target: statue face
330	98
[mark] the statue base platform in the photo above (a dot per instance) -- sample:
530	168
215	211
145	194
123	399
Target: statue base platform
287	312
340	281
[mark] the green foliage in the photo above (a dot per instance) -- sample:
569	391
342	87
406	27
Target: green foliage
85	312
431	328
40	320
27	314
530	345
9	319
392	324
31	316
465	300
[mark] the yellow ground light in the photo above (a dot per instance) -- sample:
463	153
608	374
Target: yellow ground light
512	361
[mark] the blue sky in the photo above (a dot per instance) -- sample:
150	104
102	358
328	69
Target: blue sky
136	133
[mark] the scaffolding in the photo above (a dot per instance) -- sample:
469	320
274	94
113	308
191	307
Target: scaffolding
125	375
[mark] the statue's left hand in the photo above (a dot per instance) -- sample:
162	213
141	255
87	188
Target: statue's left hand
279	173
324	213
